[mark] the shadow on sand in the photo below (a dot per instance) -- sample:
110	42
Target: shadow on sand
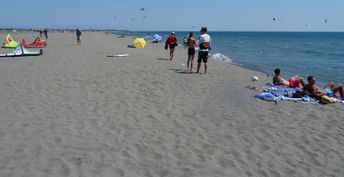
165	59
182	71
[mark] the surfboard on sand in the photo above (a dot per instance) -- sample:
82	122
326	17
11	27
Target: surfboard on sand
119	55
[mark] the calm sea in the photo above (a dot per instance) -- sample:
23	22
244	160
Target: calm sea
320	54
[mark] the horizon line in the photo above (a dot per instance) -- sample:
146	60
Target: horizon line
109	29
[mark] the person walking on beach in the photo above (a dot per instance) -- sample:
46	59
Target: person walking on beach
330	90
45	31
171	42
204	47
293	82
41	33
190	42
78	36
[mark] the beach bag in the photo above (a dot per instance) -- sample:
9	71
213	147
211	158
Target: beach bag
326	99
298	94
204	45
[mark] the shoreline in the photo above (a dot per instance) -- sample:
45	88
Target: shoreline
222	54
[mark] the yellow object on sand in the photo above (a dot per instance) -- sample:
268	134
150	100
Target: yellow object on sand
9	42
140	43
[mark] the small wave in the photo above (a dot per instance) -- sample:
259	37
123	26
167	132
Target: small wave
313	52
220	57
320	53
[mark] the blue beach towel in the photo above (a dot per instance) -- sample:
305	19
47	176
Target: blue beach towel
281	89
277	93
270	96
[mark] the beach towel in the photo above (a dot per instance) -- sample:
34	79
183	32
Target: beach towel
281	89
277	93
269	96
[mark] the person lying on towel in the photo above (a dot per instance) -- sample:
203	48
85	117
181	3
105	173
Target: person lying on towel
293	82
330	90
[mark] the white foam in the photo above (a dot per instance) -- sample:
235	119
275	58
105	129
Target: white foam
220	57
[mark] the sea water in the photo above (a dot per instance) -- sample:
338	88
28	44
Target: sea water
320	54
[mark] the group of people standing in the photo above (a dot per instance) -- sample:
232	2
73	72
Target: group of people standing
203	52
43	31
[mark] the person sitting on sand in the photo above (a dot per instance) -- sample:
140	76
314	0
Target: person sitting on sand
330	90
171	42
190	42
293	82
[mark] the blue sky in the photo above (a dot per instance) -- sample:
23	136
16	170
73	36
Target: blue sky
217	15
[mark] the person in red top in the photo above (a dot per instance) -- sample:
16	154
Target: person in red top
171	42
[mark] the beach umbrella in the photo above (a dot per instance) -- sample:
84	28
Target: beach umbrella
140	43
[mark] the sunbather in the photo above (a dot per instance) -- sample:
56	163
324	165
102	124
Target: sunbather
293	82
330	90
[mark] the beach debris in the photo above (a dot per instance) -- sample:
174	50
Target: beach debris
131	46
118	55
251	87
255	78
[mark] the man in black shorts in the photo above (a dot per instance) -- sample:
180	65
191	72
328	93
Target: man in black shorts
204	47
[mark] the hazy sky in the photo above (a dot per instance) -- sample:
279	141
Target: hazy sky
217	15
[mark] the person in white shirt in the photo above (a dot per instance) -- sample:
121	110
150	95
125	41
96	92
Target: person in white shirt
204	47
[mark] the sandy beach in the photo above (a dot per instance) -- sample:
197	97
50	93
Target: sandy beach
74	112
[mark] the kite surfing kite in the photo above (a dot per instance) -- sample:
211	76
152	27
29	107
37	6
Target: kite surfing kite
22	51
37	43
9	42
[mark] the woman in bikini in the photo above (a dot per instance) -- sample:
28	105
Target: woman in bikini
191	44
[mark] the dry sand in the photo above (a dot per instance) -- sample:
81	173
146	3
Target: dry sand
74	112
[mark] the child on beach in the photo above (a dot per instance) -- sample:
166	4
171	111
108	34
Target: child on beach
204	47
330	90
190	42
293	82
171	42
